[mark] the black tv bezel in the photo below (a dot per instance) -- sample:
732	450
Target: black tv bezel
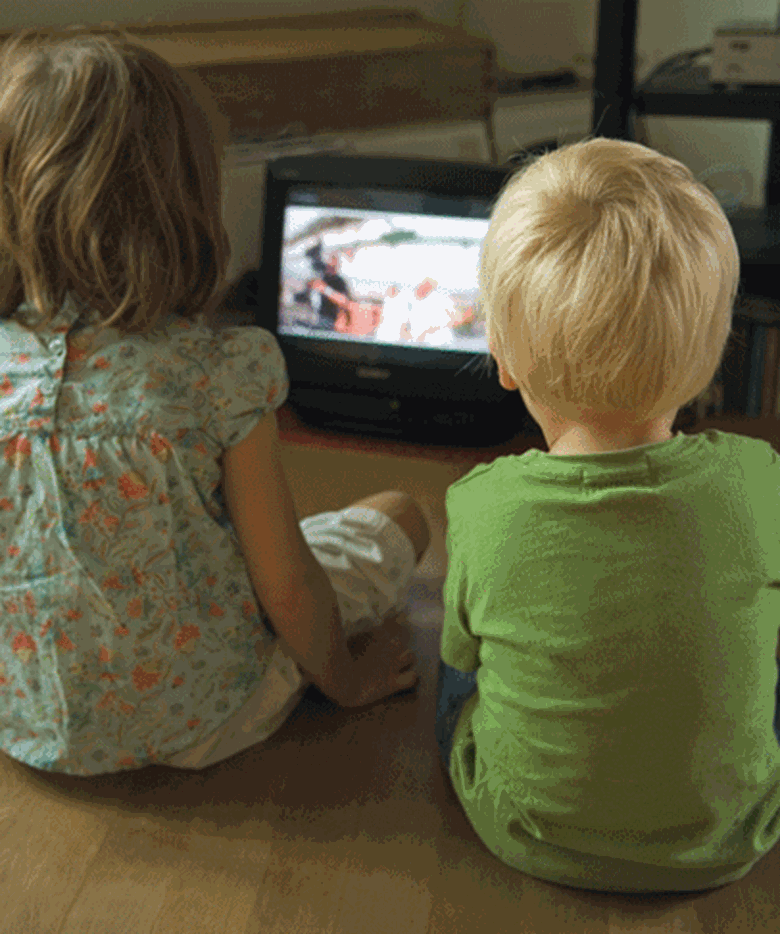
434	177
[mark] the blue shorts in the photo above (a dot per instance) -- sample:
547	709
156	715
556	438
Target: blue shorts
456	687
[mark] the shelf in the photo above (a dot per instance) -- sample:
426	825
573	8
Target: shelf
757	232
688	93
293	431
681	87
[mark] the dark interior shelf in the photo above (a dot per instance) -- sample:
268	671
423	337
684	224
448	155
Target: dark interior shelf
757	232
680	86
688	93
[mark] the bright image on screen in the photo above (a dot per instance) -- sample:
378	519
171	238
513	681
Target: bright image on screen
382	277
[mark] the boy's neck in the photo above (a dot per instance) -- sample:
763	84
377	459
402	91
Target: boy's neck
578	439
567	437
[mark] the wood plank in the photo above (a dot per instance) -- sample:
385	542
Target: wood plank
371	69
151	877
49	846
187	49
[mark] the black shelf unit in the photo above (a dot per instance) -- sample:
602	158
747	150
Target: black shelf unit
687	94
617	100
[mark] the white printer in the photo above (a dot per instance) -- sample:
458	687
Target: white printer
746	53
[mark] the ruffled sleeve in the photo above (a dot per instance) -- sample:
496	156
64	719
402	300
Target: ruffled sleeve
247	379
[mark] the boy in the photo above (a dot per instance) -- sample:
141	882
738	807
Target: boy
608	673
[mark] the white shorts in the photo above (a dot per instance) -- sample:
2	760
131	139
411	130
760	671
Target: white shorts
370	561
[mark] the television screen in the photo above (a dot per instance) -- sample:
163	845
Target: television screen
381	267
370	266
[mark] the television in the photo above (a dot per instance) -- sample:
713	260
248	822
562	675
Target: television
368	280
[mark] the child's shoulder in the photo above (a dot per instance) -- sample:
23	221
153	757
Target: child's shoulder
496	469
481	479
212	344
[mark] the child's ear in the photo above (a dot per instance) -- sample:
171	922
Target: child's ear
505	379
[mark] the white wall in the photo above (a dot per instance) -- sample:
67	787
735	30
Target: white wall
534	35
530	36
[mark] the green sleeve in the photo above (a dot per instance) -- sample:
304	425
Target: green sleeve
459	648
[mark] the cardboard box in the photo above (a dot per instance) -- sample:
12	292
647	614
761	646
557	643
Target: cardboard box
331	72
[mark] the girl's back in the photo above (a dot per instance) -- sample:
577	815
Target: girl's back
135	624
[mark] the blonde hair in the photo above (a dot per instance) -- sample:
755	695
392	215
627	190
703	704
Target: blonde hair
109	181
607	278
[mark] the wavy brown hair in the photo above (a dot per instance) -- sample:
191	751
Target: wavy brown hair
109	181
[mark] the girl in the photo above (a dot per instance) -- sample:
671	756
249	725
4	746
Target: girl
160	601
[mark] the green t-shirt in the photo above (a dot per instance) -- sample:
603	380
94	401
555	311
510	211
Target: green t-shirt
617	612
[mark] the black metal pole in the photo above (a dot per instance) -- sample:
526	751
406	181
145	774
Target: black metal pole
773	168
613	81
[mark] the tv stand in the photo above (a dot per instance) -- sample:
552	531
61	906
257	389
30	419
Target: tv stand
294	430
417	421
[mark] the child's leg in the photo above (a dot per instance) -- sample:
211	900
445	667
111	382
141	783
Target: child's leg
369	561
404	511
407	514
776	721
369	550
453	690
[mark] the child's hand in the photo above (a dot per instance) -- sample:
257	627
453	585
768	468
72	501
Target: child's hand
382	664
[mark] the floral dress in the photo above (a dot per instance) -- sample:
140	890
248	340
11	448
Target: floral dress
130	629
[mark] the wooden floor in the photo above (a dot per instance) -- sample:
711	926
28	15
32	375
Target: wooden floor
341	823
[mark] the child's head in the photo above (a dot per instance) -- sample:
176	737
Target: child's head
608	277
110	181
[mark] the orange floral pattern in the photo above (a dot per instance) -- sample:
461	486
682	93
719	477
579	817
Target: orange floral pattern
120	645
